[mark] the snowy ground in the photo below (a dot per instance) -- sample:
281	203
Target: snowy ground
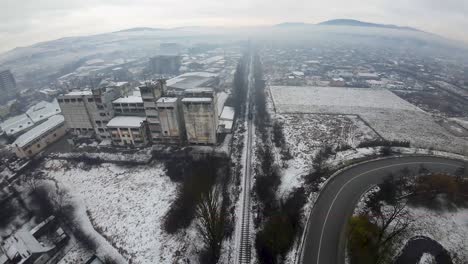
128	205
392	117
307	133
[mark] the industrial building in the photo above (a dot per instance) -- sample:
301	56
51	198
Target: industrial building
87	112
7	81
39	137
199	107
128	131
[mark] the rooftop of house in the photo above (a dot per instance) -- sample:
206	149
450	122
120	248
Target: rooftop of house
39	130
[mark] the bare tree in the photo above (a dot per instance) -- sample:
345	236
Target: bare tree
211	223
392	221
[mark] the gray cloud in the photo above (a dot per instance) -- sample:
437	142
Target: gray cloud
24	22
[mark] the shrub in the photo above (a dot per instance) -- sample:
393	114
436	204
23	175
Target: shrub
382	143
197	177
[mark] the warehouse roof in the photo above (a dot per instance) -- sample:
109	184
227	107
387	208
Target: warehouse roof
43	110
39	130
16	124
191	80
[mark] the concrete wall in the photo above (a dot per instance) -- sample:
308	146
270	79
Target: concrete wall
200	122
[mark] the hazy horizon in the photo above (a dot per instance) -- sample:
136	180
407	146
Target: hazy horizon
26	22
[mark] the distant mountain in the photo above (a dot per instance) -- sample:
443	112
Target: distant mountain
140	29
357	23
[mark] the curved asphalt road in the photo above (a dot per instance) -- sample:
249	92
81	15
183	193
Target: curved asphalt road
325	239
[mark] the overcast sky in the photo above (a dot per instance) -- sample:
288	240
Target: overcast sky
25	22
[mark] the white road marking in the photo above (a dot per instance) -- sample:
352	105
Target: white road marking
355	177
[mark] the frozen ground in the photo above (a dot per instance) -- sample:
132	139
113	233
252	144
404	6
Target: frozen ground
392	117
305	134
128	205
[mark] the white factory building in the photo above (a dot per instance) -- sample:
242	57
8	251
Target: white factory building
88	112
39	137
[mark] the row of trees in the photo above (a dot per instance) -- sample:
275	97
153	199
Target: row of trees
278	219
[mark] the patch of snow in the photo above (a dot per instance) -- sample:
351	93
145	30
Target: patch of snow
128	205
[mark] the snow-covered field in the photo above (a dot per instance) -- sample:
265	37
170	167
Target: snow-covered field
128	204
392	117
305	134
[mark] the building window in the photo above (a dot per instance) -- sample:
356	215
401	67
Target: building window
102	114
73	100
30	152
98	100
55	135
60	100
79	100
38	145
90	100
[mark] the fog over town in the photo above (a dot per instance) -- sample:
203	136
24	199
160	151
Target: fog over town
233	132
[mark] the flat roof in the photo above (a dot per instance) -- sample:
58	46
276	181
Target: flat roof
197	100
228	113
79	93
126	121
39	130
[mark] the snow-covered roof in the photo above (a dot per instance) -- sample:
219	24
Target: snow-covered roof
16	124
197	100
39	130
212	60
126	121
43	110
190	80
298	73
228	113
79	93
